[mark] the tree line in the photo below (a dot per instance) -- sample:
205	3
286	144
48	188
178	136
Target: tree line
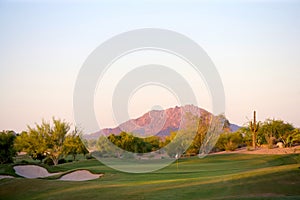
54	141
267	133
46	141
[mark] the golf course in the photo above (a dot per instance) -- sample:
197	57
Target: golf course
224	176
149	100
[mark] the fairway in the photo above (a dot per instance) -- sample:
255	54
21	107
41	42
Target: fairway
228	176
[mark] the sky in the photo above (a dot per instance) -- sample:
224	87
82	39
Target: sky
254	45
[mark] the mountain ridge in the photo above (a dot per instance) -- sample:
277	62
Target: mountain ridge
156	122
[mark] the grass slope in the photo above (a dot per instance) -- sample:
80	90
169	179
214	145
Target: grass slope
231	176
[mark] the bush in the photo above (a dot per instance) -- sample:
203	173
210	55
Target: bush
7	150
48	161
229	141
62	161
24	162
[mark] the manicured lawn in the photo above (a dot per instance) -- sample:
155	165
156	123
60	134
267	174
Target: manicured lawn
231	176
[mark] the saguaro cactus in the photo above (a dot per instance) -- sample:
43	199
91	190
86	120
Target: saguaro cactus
254	128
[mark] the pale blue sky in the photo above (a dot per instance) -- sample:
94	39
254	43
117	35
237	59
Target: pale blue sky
255	46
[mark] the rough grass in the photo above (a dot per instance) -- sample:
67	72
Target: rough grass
232	176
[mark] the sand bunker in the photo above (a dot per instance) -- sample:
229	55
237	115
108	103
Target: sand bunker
80	175
5	176
32	171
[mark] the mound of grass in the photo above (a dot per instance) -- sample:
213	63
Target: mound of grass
7	169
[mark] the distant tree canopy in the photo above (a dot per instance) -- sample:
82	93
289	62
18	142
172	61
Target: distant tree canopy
189	139
270	132
134	144
50	140
7	151
126	142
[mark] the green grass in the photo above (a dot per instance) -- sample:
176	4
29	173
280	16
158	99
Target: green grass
231	176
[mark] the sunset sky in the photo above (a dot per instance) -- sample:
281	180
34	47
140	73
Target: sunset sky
254	45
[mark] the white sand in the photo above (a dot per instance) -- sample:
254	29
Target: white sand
5	176
80	175
32	171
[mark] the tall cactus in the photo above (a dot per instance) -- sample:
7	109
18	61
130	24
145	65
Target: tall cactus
254	128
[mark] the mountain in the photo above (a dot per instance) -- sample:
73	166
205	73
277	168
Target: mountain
156	122
234	127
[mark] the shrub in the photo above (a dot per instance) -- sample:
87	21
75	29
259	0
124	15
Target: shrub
229	141
7	150
62	161
24	162
48	161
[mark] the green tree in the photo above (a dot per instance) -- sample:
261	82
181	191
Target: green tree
283	130
292	137
33	143
154	141
268	132
172	145
128	142
73	144
217	126
106	148
7	150
116	145
229	141
55	137
274	130
199	134
248	136
44	140
178	142
203	125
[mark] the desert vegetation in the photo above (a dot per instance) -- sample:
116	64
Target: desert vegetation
45	142
52	142
264	134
